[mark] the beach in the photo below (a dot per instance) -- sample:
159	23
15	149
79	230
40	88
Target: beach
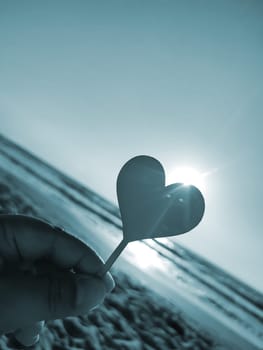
180	302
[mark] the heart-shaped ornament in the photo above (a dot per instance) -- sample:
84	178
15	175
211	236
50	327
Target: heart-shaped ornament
149	209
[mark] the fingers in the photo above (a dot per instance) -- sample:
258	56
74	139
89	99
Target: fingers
46	289
26	299
25	238
29	336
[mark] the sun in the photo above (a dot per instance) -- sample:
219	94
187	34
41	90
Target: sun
187	176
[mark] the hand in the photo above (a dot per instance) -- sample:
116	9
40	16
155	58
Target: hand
45	274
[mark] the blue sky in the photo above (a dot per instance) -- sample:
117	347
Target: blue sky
86	85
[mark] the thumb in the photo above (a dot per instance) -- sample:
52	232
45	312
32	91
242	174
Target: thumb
26	299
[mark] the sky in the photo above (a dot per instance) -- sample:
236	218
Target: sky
87	85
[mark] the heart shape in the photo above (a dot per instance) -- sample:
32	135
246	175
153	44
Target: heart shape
149	209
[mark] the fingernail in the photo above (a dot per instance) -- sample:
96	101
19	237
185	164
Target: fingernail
84	283
109	282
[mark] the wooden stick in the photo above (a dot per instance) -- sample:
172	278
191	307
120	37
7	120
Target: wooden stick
113	257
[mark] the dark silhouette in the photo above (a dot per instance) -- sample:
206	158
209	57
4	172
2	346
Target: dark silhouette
45	274
149	209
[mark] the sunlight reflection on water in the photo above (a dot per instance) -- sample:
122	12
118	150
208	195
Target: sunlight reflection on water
144	256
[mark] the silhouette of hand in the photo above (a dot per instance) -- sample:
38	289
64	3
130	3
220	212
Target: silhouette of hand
45	274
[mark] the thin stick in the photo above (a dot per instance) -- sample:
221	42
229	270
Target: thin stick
113	257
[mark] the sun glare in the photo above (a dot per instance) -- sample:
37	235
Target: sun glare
144	256
187	176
